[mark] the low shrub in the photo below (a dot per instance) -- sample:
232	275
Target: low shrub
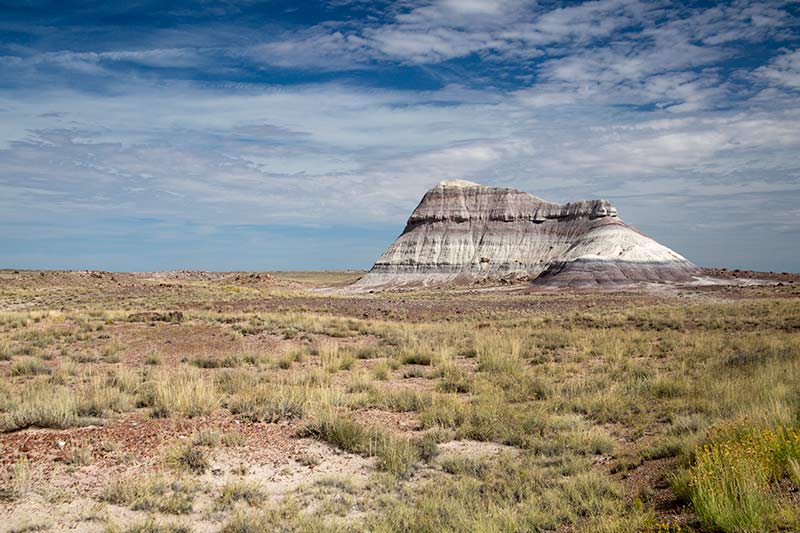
731	481
186	456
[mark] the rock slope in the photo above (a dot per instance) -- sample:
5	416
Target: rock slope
462	232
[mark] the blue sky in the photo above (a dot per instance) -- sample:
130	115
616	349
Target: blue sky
147	135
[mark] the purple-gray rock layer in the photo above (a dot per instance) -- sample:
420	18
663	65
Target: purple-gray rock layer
463	232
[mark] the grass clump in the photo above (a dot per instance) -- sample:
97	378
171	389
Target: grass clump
508	492
44	406
418	358
395	454
29	367
242	522
187	457
150	526
669	447
381	371
398	400
18	482
731	483
285	362
465	466
236	491
498	354
212	438
455	380
368	352
444	411
269	403
229	361
98	396
183	393
289	515
332	358
153	493
359	382
7	352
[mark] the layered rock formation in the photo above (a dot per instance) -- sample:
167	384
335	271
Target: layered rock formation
462	231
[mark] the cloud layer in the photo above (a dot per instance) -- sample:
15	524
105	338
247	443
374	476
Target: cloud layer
172	138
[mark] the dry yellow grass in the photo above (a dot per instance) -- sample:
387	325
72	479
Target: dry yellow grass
547	411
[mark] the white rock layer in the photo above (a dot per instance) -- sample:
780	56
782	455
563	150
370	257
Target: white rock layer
462	231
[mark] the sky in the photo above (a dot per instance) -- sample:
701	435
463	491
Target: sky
253	135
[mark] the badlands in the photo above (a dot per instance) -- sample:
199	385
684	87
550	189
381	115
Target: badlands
508	364
462	232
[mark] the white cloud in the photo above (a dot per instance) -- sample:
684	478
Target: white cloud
328	49
784	70
539	98
253	157
647	117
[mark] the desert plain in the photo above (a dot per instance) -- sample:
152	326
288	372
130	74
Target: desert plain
280	401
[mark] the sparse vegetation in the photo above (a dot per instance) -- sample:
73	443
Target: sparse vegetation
228	361
29	367
41	405
237	491
184	393
495	418
150	526
267	403
79	456
396	455
731	481
188	457
153	493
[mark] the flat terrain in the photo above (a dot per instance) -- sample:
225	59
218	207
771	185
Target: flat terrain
265	401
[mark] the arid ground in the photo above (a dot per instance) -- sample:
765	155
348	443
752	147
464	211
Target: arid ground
255	402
